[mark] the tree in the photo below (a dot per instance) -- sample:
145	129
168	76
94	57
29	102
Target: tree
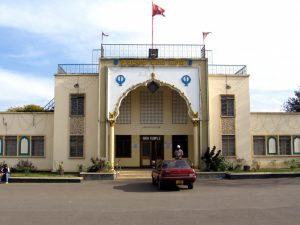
27	108
293	103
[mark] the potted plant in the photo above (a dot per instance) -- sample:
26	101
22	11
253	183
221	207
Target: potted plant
60	169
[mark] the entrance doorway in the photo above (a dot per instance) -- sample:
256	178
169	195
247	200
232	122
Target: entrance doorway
152	149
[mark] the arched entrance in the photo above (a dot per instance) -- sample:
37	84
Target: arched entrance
146	114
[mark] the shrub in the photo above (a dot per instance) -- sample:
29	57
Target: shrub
215	161
98	164
24	166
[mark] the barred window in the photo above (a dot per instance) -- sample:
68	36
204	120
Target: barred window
259	145
151	104
285	145
179	109
125	111
227	105
76	146
228	145
11	148
77	105
37	145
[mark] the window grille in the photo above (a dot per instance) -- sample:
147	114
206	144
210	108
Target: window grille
77	105
76	146
259	145
285	145
125	111
179	109
228	145
151	107
11	148
227	105
37	145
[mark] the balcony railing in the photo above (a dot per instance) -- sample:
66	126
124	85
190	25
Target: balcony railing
77	68
94	69
227	69
190	51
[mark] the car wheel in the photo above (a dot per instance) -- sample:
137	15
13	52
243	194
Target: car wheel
190	186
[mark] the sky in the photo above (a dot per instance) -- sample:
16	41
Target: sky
37	35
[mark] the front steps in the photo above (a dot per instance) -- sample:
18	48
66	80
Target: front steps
133	174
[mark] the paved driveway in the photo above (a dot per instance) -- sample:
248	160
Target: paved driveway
240	202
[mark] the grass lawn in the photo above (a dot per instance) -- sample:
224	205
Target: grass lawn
274	170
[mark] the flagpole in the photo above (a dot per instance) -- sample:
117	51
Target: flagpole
152	22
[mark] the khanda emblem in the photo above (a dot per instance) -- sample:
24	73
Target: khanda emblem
186	79
120	79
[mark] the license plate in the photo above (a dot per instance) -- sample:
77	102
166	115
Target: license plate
179	182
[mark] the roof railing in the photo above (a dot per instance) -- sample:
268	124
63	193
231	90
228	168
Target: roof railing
191	51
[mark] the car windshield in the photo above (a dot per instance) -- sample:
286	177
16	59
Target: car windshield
175	164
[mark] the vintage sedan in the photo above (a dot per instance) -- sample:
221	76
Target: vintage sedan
175	172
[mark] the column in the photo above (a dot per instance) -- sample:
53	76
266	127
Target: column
111	149
196	143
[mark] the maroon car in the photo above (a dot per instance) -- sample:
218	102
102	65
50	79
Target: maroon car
176	172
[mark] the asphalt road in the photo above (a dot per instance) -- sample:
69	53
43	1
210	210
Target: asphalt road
229	202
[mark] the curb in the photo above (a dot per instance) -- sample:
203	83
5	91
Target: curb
264	175
45	179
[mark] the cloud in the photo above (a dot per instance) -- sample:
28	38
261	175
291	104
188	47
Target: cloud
20	89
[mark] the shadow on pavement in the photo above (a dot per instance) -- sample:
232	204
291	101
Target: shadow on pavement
143	187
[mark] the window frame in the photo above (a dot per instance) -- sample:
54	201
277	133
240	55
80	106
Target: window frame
293	144
28	146
265	145
78	114
227	98
268	145
16	145
36	136
70	146
234	145
289	142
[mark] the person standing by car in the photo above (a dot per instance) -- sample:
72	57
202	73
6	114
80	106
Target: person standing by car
178	152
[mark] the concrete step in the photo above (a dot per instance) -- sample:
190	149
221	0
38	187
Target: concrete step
133	174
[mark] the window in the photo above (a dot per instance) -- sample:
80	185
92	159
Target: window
272	146
76	146
296	145
37	146
181	140
259	145
228	145
77	105
285	145
179	109
11	148
227	105
151	104
123	146
125	111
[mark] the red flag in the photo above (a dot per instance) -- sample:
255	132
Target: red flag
205	34
156	10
